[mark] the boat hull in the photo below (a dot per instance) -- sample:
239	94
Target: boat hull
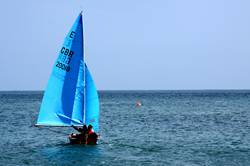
74	140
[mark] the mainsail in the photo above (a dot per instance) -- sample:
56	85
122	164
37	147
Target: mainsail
70	97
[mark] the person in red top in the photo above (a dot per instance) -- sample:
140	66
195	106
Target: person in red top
92	136
90	129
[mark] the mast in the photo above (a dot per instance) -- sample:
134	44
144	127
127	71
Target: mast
84	75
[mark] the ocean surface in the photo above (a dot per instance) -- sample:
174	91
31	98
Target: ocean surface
179	128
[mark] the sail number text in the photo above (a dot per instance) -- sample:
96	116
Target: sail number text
65	59
67	52
63	66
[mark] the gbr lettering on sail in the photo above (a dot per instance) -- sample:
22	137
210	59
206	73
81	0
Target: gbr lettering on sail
65	56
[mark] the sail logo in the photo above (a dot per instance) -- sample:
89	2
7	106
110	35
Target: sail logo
72	34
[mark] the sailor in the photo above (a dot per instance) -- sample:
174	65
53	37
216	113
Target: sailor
92	136
90	129
83	133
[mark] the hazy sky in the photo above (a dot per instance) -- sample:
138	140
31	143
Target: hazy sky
142	44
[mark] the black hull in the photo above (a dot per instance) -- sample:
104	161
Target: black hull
77	141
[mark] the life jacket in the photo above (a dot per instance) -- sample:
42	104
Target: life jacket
92	138
90	132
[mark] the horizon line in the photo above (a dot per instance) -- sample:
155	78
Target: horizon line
33	90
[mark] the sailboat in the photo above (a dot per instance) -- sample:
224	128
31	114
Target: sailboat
71	97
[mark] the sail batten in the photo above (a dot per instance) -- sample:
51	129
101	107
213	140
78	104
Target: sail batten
65	101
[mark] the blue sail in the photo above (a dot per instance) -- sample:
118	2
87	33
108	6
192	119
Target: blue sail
92	102
63	100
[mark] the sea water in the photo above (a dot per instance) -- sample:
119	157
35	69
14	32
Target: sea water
188	128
